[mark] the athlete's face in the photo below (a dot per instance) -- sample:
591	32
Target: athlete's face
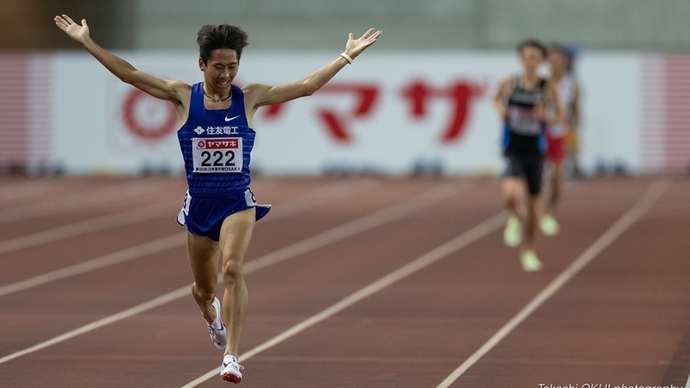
557	62
220	69
531	58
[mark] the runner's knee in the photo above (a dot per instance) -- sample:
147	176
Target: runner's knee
511	192
232	271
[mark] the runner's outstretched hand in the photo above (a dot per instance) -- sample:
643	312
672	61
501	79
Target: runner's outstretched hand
80	33
354	47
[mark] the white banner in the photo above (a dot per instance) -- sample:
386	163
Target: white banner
385	113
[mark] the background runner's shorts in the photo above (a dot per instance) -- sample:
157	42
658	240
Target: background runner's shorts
205	216
529	167
556	149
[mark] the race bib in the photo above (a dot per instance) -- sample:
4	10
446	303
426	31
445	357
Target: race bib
217	154
524	121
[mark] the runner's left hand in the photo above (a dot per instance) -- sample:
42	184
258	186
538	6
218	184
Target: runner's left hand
354	47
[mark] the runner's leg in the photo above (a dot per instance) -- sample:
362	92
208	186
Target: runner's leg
203	257
531	222
513	190
528	256
555	184
235	235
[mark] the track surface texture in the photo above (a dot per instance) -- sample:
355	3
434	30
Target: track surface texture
353	282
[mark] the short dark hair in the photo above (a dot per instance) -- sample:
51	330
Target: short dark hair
532	43
223	36
557	48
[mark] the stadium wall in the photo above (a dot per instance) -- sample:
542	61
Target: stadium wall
388	113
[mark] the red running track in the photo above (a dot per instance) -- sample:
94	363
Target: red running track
94	287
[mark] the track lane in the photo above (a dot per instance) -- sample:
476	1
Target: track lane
185	291
536	372
464	305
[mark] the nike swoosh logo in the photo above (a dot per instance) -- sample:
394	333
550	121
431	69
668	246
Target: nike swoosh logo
231	118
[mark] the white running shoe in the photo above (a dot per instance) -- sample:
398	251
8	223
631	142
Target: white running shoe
231	370
217	329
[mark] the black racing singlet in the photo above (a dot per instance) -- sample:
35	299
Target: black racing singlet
524	132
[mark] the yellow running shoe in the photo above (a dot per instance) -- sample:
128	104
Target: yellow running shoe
512	235
549	225
530	262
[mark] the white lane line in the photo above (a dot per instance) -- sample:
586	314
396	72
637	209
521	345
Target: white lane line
424	200
488	226
92	225
319	197
176	240
131	253
611	234
687	383
10	191
161	300
82	200
359	225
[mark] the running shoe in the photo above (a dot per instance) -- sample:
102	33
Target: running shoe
530	262
216	329
512	235
231	370
549	225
